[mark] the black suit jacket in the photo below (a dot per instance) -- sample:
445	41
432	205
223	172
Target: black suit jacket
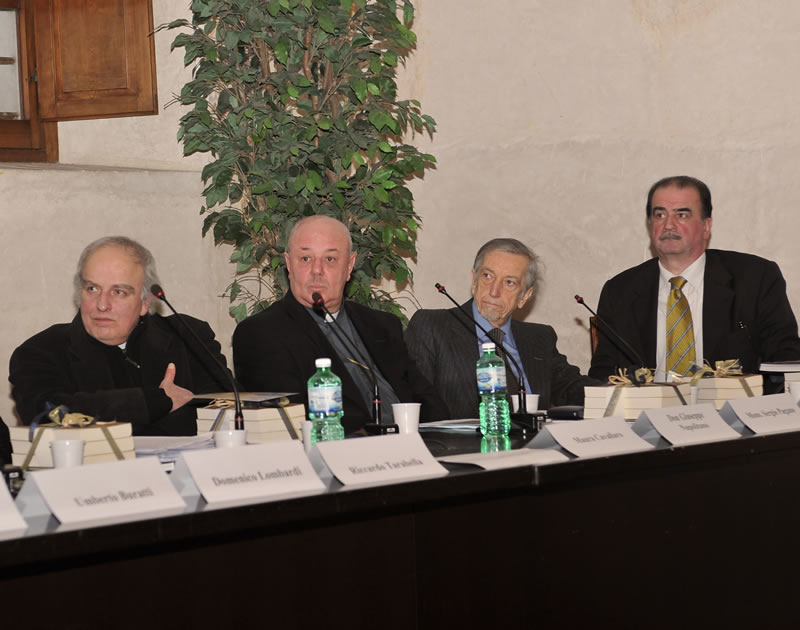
275	350
64	365
444	345
746	314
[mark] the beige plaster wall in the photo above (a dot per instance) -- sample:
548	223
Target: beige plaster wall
554	118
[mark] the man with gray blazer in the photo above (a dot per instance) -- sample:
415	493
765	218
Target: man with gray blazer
445	344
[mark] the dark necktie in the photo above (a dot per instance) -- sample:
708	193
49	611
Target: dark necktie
497	335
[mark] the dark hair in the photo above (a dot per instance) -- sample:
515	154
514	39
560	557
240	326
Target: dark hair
682	181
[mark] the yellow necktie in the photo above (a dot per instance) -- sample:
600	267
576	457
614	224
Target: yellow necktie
680	336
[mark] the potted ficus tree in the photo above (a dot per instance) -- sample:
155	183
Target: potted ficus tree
296	103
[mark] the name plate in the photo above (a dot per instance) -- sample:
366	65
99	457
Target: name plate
692	424
508	459
763	414
104	493
11	522
591	438
247	474
379	459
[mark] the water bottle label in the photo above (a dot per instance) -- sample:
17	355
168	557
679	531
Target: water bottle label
491	379
325	400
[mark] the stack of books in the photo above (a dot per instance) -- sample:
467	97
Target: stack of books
263	424
719	390
96	448
632	400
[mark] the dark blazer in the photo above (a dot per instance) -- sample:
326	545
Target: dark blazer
746	314
5	445
65	365
275	351
444	345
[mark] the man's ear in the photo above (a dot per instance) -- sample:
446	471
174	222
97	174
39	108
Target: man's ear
525	297
351	264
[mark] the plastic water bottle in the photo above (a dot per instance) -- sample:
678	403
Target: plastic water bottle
495	444
491	374
325	403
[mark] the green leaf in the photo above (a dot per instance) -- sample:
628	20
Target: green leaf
381	195
239	312
390	59
235	288
360	88
408	13
385	146
292	90
326	23
324	123
282	52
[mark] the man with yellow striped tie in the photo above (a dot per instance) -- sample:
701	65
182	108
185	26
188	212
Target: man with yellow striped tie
693	303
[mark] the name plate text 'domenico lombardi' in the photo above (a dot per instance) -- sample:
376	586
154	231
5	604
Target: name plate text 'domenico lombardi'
246	474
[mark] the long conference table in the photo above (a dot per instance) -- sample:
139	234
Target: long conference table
698	536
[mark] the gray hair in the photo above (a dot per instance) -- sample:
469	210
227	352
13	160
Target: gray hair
345	230
140	254
510	246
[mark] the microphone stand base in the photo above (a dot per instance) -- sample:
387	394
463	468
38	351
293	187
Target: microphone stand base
372	428
529	423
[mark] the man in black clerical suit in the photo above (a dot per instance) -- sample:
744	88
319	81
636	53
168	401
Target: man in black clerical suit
115	360
446	344
275	350
737	302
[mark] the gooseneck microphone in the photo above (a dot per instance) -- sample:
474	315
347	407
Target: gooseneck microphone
318	304
157	291
523	403
635	376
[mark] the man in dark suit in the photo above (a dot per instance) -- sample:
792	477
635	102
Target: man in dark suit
116	361
275	350
737	302
446	344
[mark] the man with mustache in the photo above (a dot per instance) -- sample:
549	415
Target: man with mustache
116	360
275	350
736	303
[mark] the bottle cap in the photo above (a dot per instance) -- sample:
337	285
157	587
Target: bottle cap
488	347
322	363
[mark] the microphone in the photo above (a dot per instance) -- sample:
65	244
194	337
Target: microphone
318	304
633	371
523	403
157	291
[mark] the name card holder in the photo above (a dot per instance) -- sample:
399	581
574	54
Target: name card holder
591	438
776	413
247	474
11	522
98	494
693	424
377	459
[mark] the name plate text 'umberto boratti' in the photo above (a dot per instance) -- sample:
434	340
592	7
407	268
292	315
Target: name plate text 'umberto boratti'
763	414
102	493
379	459
692	424
591	438
251	473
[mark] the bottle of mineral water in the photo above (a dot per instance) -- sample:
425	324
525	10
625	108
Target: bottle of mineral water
325	403
491	374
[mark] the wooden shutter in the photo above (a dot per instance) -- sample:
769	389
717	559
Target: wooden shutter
95	58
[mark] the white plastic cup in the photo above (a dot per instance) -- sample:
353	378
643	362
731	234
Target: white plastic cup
531	402
406	416
230	438
67	453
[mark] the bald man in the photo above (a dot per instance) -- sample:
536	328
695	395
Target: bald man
275	350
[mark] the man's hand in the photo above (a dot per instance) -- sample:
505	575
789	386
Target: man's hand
179	395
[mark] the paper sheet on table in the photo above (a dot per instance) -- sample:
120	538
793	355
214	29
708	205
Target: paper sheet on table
166	448
451	425
507	459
